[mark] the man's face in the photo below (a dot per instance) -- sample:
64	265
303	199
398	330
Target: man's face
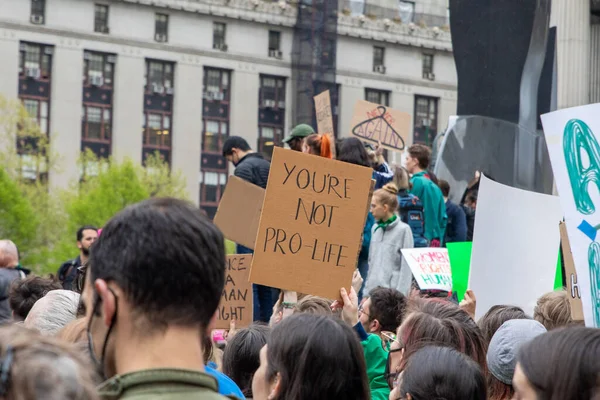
88	238
233	157
364	315
412	164
296	144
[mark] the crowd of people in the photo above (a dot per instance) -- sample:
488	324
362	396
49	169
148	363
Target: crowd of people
132	316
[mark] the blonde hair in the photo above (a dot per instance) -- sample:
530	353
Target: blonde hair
388	196
553	310
313	305
401	178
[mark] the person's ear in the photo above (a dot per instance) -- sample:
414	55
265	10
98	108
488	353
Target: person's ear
79	245
275	387
374	326
107	300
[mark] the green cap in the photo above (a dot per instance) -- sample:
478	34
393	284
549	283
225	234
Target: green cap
300	131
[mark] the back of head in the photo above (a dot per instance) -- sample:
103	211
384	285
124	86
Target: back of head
53	312
314	356
442	373
241	357
9	254
43	368
25	292
75	331
421	153
388	306
496	316
388	195
169	260
352	151
313	305
401	178
563	364
553	310
320	144
444	187
235	142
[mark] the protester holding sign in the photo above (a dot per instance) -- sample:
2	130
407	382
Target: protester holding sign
318	145
389	236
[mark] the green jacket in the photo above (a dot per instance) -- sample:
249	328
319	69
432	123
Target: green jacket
376	359
434	206
161	384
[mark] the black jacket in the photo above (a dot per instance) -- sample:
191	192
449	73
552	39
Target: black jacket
254	169
7	276
67	273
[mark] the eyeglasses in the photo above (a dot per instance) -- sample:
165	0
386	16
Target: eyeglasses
392	377
362	311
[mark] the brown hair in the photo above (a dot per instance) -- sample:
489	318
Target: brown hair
497	390
44	367
320	144
24	293
496	316
388	195
553	310
421	153
74	331
313	305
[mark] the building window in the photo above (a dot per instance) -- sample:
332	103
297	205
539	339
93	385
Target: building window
275	44
157	130
101	18
215	133
34	61
271	114
406	11
379	59
37	111
357	7
219	32
216	85
425	121
38	11
97	123
161	28
212	185
98	69
272	92
378	96
159	77
428	67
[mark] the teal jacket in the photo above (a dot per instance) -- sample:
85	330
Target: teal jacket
376	359
434	206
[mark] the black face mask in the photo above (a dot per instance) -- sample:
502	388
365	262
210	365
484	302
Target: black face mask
99	364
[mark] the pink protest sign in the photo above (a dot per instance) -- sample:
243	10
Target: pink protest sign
430	267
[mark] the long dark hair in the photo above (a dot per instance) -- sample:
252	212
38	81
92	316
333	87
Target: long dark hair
317	358
563	364
352	151
442	373
241	357
496	316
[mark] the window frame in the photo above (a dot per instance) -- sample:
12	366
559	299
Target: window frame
161	28
146	130
224	89
103	123
412	15
376	49
417	124
220	186
219	41
38	117
277	138
220	136
46	52
274	43
37	12
278	91
164	76
427	64
101	24
382	94
107	59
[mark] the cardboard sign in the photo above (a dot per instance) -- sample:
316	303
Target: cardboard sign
323	112
237	297
430	267
376	123
573	292
515	246
574	149
310	230
239	211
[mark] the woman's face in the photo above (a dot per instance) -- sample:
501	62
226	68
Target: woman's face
261	387
378	210
306	149
523	388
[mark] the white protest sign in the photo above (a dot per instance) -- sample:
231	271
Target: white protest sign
430	267
572	140
515	246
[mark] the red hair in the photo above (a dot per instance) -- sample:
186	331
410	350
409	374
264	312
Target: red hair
320	144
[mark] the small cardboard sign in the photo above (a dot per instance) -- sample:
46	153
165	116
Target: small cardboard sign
430	267
323	112
376	123
571	275
237	297
311	227
239	211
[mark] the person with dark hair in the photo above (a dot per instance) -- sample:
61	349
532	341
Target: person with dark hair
502	355
383	311
297	136
436	372
252	167
470	208
68	271
311	357
153	284
241	357
417	162
496	316
456	228
559	365
24	293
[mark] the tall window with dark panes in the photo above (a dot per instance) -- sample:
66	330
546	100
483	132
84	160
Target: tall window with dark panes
425	120
428	67
275	44
101	18
157	129
98	86
35	67
219	36
38	11
271	114
379	59
215	129
161	28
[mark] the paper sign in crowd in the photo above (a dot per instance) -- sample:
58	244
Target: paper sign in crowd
311	225
376	123
574	149
430	267
323	113
573	292
237	297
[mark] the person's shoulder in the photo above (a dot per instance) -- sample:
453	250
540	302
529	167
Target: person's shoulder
227	386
